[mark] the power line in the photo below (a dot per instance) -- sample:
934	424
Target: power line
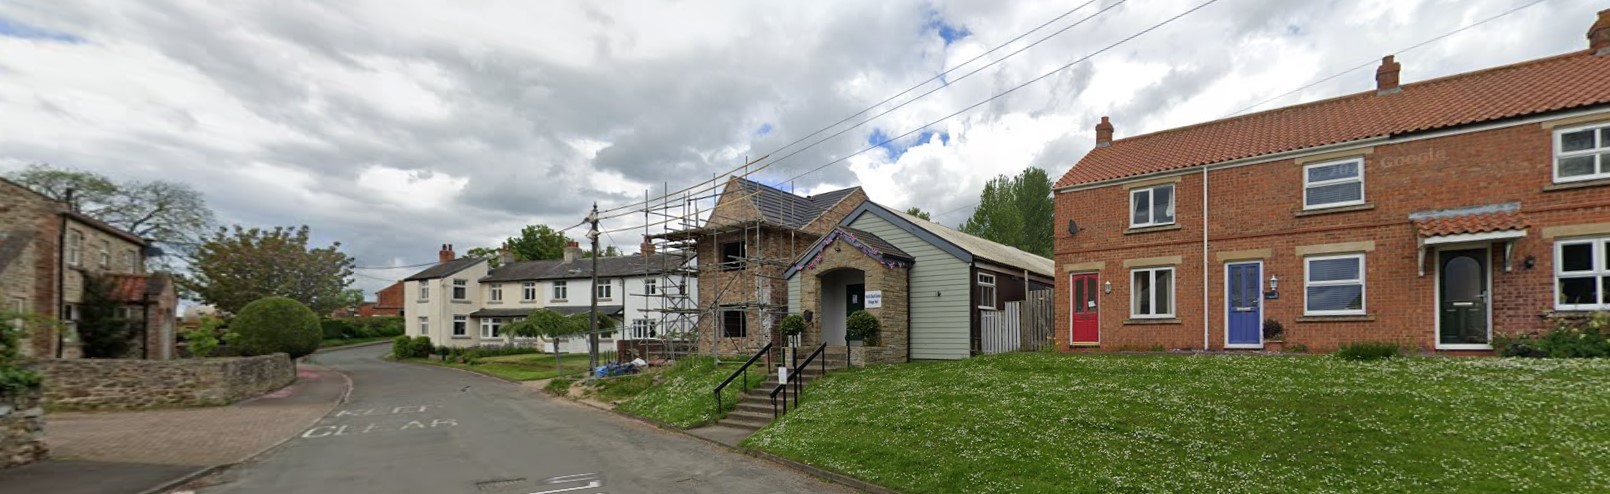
1373	61
420	265
874	106
1001	94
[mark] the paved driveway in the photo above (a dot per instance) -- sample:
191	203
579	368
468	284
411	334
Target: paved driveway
411	428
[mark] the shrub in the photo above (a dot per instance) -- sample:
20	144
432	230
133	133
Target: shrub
1571	338
421	347
792	325
1272	330
864	326
500	350
385	325
276	324
203	340
402	347
1369	350
335	329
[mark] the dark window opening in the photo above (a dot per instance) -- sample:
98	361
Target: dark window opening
733	324
732	254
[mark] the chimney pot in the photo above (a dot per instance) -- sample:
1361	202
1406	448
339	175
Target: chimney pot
446	254
1599	34
1386	76
572	251
1103	133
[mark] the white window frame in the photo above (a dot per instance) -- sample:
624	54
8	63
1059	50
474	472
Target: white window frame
461	290
604	290
1173	292
1173	199
424	326
75	248
424	290
1309	185
528	291
461	326
1599	151
561	291
495	292
491	327
1599	270
641	328
1362	282
651	286
133	259
106	254
983	285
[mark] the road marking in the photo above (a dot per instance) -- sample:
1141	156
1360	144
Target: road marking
352	430
592	480
371	412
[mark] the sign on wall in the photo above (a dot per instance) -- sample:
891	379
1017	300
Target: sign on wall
874	299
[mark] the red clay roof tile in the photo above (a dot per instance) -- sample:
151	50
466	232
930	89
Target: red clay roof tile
1471	223
1573	80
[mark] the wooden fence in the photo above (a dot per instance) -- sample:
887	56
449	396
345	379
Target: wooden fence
1020	326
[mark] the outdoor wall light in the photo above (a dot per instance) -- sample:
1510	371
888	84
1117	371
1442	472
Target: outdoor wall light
1274	283
808	315
1530	262
1106	287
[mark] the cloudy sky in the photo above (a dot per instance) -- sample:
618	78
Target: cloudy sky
395	126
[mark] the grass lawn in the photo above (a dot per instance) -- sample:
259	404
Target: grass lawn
684	397
528	367
1054	423
340	342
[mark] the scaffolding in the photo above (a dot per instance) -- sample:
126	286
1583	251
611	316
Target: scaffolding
750	282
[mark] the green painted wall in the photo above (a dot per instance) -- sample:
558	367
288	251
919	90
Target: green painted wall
939	293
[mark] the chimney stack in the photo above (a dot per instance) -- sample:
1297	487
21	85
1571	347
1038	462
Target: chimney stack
1386	77
1103	133
572	251
1599	34
505	256
648	247
446	254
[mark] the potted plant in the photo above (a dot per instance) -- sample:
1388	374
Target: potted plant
1274	335
791	326
863	326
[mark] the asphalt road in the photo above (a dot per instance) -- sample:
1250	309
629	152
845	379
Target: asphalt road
418	429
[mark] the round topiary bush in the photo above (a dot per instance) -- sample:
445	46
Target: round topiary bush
276	324
864	326
791	325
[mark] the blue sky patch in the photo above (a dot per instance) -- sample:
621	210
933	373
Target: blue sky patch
898	147
764	130
946	31
14	29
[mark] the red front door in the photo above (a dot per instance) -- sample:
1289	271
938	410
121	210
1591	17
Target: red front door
1086	323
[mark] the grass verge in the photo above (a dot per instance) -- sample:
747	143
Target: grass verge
1050	423
684	396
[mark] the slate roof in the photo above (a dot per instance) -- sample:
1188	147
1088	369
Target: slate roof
782	208
1562	82
445	269
961	245
608	310
12	244
608	267
881	245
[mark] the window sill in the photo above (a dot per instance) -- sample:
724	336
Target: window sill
558	301
461	301
1580	184
422	301
1338	209
606	300
1348	318
1148	322
1152	229
462	338
495	302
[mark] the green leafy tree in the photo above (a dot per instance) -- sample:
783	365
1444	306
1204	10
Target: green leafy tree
235	267
204	339
274	325
918	212
172	215
1016	211
549	325
609	251
535	243
102	331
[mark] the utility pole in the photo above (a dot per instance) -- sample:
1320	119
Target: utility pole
592	332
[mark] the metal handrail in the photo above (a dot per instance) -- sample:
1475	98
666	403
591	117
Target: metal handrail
797	374
742	370
783	387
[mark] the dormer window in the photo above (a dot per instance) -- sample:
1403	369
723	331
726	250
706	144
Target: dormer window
1582	153
1151	206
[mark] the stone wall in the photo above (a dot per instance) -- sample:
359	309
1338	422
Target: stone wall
22	429
107	384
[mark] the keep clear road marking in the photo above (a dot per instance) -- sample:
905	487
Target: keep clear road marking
353	430
592	480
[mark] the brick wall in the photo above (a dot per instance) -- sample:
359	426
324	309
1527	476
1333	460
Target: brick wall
31	277
107	384
1259	207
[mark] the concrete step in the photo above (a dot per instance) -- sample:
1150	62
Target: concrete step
762	407
754	422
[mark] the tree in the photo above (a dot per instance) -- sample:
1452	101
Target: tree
102	332
274	325
235	267
609	251
536	242
918	212
171	215
1016	211
549	325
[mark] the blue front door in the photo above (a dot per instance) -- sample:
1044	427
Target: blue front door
1243	287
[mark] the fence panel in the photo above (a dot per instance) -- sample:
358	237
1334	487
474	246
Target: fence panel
1036	316
998	330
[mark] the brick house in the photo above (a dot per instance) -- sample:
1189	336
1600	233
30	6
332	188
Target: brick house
750	237
47	251
1436	215
929	285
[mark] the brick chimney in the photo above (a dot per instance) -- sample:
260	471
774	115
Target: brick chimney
1103	133
446	254
648	247
1599	34
572	251
505	256
1386	76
